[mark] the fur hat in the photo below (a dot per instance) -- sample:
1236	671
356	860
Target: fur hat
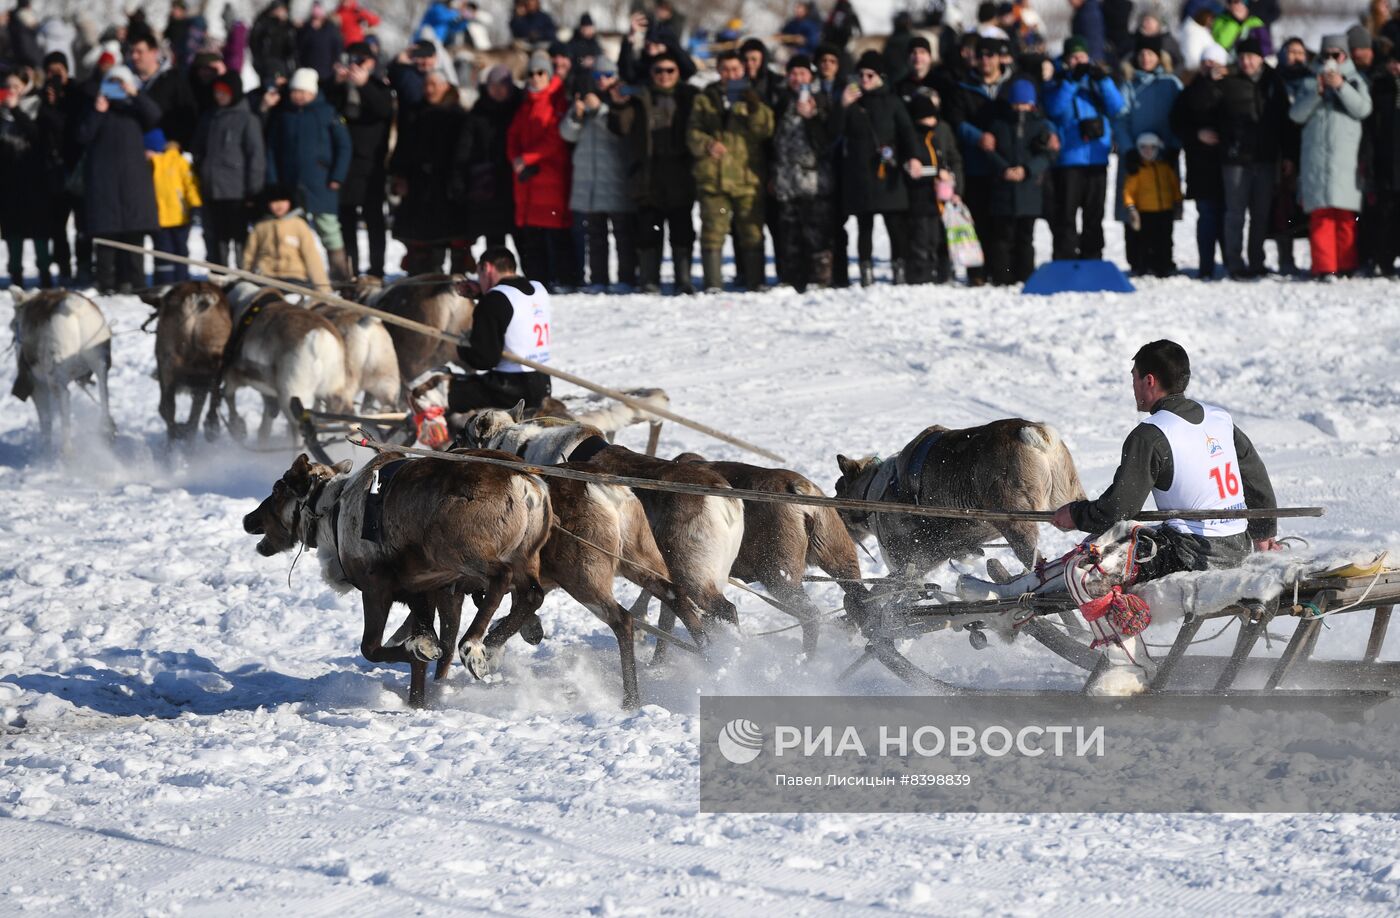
872	60
305	80
539	61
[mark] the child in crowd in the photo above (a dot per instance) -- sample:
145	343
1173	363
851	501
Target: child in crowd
282	244
1019	163
940	181
1151	195
177	195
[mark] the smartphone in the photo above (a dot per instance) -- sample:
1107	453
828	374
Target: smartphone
112	89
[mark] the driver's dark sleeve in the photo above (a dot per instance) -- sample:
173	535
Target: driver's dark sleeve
1146	462
488	336
1258	489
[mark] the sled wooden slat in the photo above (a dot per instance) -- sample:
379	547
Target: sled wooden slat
1380	623
1299	648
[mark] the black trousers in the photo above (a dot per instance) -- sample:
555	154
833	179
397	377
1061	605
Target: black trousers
117	268
1079	189
928	250
494	389
60	253
1182	551
624	233
1155	244
1011	250
370	209
804	233
225	230
896	226
1387	217
977	195
548	256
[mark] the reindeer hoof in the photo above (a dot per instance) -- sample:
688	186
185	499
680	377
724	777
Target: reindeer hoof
424	647
532	632
478	660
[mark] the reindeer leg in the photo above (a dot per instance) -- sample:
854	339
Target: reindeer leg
166	410
109	426
236	428
449	622
269	414
376	603
795	598
620	622
63	406
43	404
197	397
472	647
666	622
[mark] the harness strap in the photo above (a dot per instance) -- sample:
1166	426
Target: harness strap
589	448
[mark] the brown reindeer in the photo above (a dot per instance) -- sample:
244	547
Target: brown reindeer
193	324
447	528
440	300
1011	464
782	540
593	517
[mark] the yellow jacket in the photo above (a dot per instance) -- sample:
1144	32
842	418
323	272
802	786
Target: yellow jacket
1152	189
177	192
285	248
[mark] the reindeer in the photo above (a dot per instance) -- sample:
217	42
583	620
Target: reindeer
193	325
698	536
1011	464
284	352
443	301
371	362
60	337
781	540
448	528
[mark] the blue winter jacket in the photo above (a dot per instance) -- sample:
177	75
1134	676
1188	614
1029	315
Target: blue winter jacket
1069	101
1149	98
307	148
443	20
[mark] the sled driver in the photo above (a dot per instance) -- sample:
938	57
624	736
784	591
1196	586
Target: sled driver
1189	456
512	315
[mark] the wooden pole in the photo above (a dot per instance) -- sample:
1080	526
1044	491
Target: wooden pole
333	300
838	503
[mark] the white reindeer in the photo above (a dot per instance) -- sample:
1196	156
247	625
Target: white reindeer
60	337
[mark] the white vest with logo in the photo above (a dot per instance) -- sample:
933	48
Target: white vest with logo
1206	470
528	332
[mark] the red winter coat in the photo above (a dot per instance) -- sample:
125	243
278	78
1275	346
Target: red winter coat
542	200
354	19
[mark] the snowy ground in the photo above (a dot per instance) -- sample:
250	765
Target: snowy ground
189	728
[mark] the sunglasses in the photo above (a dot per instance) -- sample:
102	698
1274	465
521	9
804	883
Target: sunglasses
869	75
660	70
1333	56
988	54
539	73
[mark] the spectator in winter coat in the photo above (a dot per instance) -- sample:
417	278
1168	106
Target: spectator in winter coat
540	160
1020	160
1385	138
282	245
1295	72
119	199
446	21
729	129
1198	121
61	108
1148	95
430	174
532	25
491	180
366	103
1151	195
408	73
1087	23
762	79
1368	232
177	195
601	163
228	149
1255	109
879	149
1329	184
842	24
583	47
167	87
273	43
1168	50
803	139
319	43
803	32
971	109
920	76
308	149
1081	106
654	123
1237	23
30	178
354	21
940	181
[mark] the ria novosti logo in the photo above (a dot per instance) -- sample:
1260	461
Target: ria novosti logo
741	741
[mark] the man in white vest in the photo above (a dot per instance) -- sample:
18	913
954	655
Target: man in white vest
512	315
1188	456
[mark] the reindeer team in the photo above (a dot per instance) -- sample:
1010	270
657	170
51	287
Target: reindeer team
448	529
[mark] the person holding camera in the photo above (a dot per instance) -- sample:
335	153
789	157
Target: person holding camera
366	103
599	193
1020	160
1328	183
1081	104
